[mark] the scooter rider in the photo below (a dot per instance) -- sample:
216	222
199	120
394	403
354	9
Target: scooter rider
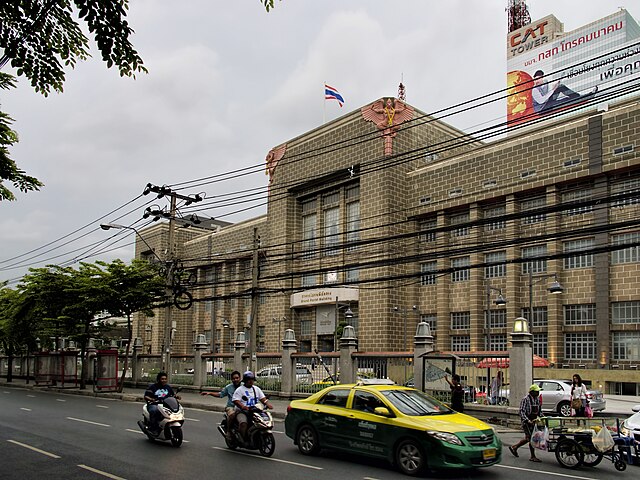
155	393
228	391
245	397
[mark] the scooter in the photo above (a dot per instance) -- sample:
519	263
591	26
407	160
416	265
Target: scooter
259	436
170	425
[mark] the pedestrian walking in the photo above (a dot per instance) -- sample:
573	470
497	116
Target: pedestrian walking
529	413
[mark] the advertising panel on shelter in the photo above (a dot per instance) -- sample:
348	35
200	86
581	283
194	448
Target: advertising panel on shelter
549	70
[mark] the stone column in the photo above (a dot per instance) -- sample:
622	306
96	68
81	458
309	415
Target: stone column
520	362
199	366
135	367
348	346
422	344
288	378
240	347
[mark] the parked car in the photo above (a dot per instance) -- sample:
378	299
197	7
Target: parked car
631	426
556	397
274	372
397	423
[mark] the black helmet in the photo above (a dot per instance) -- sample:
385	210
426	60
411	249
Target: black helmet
248	375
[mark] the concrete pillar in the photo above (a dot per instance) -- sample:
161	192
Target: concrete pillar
135	367
239	349
348	346
288	378
422	344
199	366
520	362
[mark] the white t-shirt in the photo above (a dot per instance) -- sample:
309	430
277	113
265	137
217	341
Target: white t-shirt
579	392
254	395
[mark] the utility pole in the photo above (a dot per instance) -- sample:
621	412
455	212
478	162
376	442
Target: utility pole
253	325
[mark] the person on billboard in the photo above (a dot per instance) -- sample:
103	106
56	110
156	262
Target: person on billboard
547	96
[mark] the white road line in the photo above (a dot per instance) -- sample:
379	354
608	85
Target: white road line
88	421
133	431
192	419
4	391
546	473
100	472
31	396
370	478
102	406
25	409
52	455
60	400
269	458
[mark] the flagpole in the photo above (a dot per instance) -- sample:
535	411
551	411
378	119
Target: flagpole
324	104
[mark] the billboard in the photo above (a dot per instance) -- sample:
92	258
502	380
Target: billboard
549	70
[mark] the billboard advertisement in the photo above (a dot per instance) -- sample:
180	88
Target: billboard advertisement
549	70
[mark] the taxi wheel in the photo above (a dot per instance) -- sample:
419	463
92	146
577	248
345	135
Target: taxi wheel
409	458
307	440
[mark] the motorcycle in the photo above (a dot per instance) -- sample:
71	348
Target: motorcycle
259	436
170	425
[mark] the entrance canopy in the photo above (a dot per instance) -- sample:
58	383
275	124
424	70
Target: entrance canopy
503	362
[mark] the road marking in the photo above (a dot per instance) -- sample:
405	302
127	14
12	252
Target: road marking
133	431
60	400
102	406
270	458
31	396
370	478
100	472
52	455
88	421
25	409
547	473
4	391
192	419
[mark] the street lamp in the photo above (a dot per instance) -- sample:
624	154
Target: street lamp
500	300
348	314
554	288
109	226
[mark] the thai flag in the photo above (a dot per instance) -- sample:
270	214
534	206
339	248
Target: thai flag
331	93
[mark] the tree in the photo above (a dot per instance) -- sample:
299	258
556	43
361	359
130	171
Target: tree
129	289
268	4
39	38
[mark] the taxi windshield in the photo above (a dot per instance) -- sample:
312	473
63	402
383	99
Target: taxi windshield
415	403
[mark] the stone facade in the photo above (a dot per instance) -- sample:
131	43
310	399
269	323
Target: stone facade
442	224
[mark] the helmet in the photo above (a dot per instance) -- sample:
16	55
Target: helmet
534	388
248	375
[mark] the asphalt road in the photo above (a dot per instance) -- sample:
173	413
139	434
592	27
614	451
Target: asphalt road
58	436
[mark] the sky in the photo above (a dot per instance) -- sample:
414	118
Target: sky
227	82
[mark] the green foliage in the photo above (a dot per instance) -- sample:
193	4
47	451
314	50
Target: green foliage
42	37
268	4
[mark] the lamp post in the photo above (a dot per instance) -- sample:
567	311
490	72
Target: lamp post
404	316
279	321
348	314
554	288
168	324
487	318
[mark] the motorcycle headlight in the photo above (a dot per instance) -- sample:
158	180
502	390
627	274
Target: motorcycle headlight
445	437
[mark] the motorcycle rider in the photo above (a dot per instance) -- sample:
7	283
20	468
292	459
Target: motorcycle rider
154	394
245	397
228	391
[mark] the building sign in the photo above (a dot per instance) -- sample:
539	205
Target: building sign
549	70
323	296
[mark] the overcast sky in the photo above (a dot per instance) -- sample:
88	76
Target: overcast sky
227	82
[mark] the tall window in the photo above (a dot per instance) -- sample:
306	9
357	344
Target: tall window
625	346
332	230
534	266
460	275
353	224
541	345
580	346
540	316
500	267
626	255
309	280
309	235
305	328
497	342
457	220
584	260
460	320
625	312
427	269
425	226
584	314
495	212
461	343
352	274
577	194
498	318
533	204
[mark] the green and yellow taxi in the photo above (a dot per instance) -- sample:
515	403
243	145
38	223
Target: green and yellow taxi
400	424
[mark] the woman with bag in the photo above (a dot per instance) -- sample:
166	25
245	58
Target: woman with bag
578	396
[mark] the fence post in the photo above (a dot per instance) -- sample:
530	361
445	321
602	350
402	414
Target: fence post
199	367
348	346
288	378
135	367
422	344
520	361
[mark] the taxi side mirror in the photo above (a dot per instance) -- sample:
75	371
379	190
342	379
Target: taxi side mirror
383	412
